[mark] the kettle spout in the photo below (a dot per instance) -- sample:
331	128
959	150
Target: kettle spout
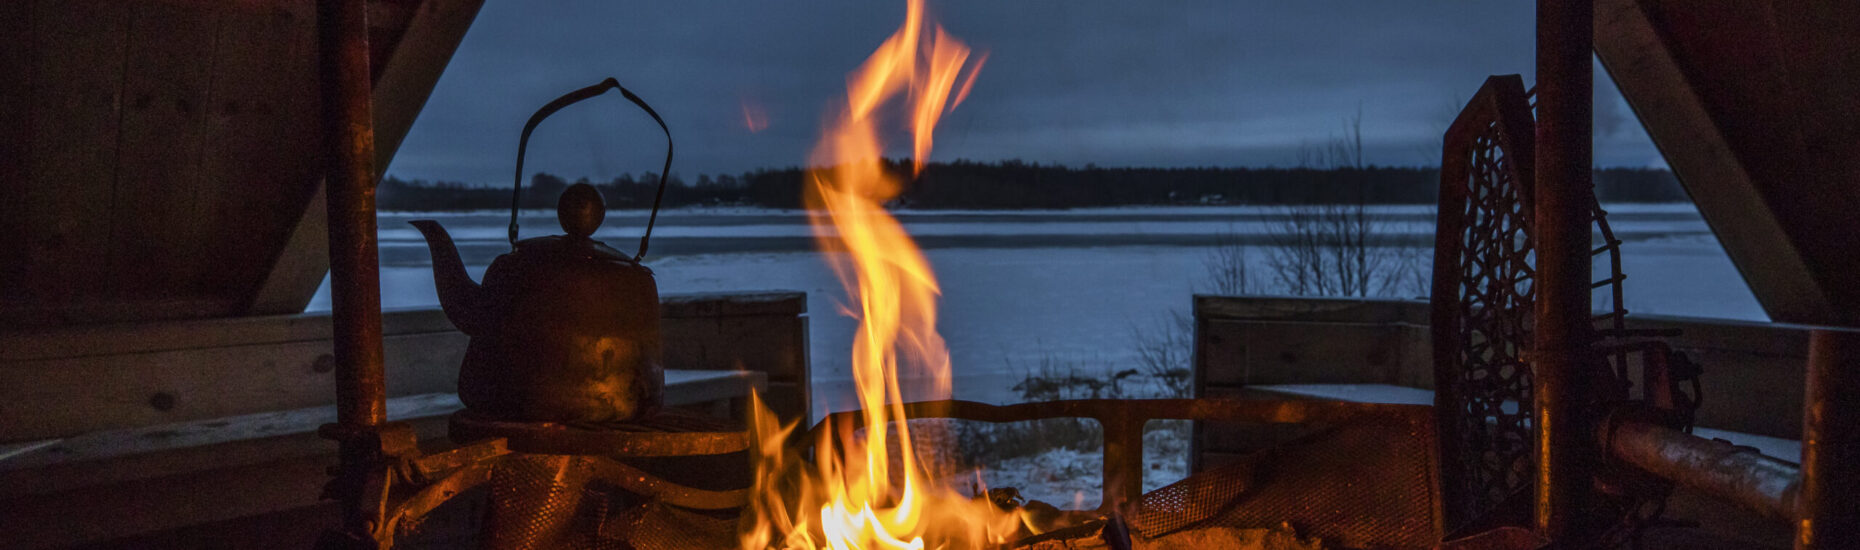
461	298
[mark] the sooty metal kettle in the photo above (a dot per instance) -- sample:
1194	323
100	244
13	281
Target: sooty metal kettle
564	328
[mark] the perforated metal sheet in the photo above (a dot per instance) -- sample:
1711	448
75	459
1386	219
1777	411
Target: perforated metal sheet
656	526
535	500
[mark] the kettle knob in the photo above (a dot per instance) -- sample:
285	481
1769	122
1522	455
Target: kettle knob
580	210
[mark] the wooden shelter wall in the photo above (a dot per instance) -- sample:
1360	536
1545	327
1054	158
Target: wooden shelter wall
70	381
161	157
1752	103
1249	341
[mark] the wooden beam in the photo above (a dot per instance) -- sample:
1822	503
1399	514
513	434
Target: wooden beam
79	50
20	64
157	189
135	481
301	265
402	85
256	172
116	456
1751	104
75	380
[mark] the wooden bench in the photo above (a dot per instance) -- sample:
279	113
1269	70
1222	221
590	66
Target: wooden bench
118	431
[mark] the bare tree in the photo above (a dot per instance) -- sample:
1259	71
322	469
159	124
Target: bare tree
1164	353
1225	267
1335	248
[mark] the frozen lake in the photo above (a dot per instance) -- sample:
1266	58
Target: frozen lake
1022	286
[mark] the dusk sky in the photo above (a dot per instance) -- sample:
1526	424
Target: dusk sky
1113	83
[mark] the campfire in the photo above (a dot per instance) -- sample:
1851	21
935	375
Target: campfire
859	492
589	458
166	359
865	485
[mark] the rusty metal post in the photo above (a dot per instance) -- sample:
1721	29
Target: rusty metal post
1123	460
1567	452
355	285
1830	508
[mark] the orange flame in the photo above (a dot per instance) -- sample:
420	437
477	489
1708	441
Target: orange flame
860	492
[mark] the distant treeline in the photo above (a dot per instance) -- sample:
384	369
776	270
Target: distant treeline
1015	184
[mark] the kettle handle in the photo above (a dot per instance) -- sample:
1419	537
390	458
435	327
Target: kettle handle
569	99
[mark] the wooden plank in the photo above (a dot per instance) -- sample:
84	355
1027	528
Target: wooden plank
18	53
115	456
104	340
171	372
157	241
687	387
63	397
1281	308
770	344
1263	352
1777	340
162	477
707	305
120	456
294	528
1822	64
96	340
179	371
1742	360
143	506
79	52
256	177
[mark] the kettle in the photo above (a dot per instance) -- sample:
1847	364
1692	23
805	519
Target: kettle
564	328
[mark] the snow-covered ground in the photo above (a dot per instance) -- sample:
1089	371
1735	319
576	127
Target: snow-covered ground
1020	287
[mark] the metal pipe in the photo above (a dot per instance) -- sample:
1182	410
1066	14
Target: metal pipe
1830	507
1739	475
1567	452
354	280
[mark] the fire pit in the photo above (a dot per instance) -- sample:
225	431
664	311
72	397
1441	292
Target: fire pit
621	474
567	468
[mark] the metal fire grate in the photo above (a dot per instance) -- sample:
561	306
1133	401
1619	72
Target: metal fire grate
1483	293
538	501
1484	300
1366	478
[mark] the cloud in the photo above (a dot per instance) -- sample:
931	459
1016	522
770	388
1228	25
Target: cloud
1197	82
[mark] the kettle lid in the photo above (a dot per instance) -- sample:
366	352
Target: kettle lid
580	210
